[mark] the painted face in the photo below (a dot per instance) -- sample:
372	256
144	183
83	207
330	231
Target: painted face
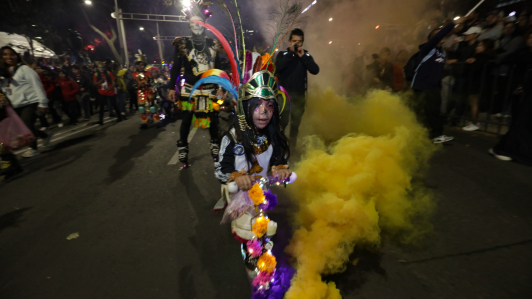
196	29
263	113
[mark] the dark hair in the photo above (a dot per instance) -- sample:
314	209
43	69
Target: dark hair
2	62
76	67
489	46
273	131
297	32
433	33
62	71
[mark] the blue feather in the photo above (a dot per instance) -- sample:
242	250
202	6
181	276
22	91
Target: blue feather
226	84
237	62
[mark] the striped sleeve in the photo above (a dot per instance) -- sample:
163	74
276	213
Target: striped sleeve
225	165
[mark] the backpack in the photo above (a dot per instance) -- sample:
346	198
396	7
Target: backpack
413	64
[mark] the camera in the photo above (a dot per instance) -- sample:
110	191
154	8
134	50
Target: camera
296	48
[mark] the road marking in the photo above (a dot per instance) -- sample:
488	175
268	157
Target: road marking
62	137
73	129
175	158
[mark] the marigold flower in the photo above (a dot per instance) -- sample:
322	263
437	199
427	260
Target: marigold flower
260	226
256	194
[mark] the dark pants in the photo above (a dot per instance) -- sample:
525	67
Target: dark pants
53	104
187	123
103	100
85	99
293	114
133	100
43	120
71	110
28	116
428	106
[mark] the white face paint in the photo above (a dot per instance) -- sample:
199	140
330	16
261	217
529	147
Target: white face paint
196	28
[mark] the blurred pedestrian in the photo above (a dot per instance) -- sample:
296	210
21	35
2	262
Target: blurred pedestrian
399	83
516	144
70	91
105	82
427	82
131	90
478	78
85	90
25	93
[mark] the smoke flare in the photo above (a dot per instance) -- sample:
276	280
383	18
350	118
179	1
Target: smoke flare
355	183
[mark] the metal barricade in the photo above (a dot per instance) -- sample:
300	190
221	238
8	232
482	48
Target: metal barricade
499	87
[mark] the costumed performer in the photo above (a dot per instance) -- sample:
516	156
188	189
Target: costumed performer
195	55
144	85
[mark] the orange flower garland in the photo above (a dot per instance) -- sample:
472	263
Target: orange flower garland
256	194
260	226
267	262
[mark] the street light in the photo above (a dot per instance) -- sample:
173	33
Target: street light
88	2
141	28
330	19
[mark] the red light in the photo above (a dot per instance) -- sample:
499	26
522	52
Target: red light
378	26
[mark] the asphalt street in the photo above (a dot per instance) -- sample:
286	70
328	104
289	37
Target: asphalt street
108	212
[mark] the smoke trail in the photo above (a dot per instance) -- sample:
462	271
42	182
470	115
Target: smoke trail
351	189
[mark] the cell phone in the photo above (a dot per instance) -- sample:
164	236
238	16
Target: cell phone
296	48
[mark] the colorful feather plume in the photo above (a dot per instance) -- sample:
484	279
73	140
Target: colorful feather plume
284	19
214	79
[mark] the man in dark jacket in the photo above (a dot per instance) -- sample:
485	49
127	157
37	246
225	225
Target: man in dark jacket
427	81
292	66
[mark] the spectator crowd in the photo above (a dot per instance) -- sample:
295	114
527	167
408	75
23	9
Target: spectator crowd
486	80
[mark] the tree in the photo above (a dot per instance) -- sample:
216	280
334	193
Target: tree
110	41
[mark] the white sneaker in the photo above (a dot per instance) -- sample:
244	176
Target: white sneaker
43	129
442	139
500	157
30	153
471	127
60	125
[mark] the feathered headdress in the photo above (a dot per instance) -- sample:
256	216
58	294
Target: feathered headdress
196	8
140	57
261	83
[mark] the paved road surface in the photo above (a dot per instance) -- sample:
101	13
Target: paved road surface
146	229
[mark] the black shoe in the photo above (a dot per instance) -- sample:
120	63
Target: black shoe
182	148
215	149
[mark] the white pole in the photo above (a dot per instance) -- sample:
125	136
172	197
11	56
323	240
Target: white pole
124	41
117	16
472	10
159	44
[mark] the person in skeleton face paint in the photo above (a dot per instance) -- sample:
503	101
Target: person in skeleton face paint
194	55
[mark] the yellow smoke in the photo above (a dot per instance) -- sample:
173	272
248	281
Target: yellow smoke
355	183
